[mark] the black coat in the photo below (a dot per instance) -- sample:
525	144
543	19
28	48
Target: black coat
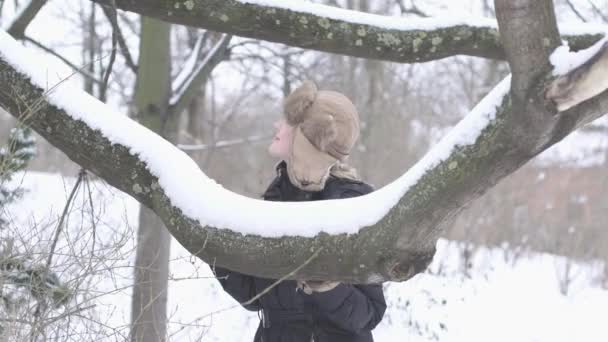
346	313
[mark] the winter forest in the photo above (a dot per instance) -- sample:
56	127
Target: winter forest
134	142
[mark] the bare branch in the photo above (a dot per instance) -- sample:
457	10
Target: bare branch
110	13
223	144
598	11
59	228
183	96
20	24
81	70
411	10
575	11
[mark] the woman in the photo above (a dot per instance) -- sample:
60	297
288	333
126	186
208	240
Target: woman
317	134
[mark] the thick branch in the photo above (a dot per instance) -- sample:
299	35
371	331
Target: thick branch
397	247
529	34
17	28
336	30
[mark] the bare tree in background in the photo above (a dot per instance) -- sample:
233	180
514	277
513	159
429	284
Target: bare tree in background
160	102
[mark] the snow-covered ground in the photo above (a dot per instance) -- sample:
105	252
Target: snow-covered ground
501	298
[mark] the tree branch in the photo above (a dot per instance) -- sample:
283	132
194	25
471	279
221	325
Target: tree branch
338	30
398	246
224	143
529	34
110	13
80	70
20	24
575	11
196	78
598	11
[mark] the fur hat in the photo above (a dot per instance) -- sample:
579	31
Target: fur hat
326	126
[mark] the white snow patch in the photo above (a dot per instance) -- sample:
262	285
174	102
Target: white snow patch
579	148
403	23
564	60
442	304
388	22
202	199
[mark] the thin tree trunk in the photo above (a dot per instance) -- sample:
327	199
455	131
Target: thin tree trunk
149	302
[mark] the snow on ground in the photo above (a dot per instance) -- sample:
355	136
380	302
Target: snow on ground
504	299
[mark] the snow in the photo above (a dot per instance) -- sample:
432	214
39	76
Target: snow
401	23
187	76
563	60
383	21
504	298
189	64
202	199
579	148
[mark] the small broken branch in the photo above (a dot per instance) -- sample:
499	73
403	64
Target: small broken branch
582	83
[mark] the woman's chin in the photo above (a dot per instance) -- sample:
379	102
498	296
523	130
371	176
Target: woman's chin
272	151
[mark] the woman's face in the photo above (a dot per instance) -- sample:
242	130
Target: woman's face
281	143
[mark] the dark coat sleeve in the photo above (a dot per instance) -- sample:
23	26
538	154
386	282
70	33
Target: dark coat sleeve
354	308
240	286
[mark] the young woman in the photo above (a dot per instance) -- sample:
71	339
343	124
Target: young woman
313	141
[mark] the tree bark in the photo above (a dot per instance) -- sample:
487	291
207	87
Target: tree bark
152	93
322	33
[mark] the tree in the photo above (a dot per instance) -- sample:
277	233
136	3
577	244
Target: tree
158	107
152	93
521	121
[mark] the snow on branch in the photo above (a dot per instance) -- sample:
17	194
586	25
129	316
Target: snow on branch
189	65
207	202
195	73
325	28
582	75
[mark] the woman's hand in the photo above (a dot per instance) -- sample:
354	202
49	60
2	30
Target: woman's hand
310	286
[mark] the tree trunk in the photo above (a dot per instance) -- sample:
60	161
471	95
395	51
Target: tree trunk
153	87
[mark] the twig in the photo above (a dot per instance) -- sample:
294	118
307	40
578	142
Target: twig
283	278
124	49
412	10
598	11
106	78
63	59
88	185
256	297
220	144
81	175
573	8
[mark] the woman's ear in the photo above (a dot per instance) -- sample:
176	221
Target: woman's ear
320	131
